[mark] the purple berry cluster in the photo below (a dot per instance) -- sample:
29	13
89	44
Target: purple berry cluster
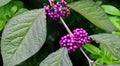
57	10
72	42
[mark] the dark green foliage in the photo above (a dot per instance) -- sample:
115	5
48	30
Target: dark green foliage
79	17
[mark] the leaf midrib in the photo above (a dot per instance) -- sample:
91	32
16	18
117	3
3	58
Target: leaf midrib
25	36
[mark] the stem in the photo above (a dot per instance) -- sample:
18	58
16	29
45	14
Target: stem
89	60
63	22
51	4
98	64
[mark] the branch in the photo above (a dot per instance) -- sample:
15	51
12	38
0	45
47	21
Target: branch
63	22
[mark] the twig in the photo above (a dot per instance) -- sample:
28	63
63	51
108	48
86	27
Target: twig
51	4
89	60
63	22
98	64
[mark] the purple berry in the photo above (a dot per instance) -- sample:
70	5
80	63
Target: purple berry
58	4
72	42
82	36
59	9
64	2
52	1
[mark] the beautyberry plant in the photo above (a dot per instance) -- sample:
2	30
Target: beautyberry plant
25	33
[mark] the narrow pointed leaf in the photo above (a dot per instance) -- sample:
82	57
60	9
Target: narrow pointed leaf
91	48
23	36
111	10
3	2
113	65
58	58
110	41
91	11
115	21
2	24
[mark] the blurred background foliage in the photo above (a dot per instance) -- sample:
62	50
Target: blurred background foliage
54	28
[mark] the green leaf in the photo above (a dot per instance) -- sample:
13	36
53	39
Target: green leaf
23	36
107	57
113	65
99	2
115	21
14	9
19	4
5	11
58	58
91	11
4	2
91	48
110	41
2	24
117	33
111	10
20	11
